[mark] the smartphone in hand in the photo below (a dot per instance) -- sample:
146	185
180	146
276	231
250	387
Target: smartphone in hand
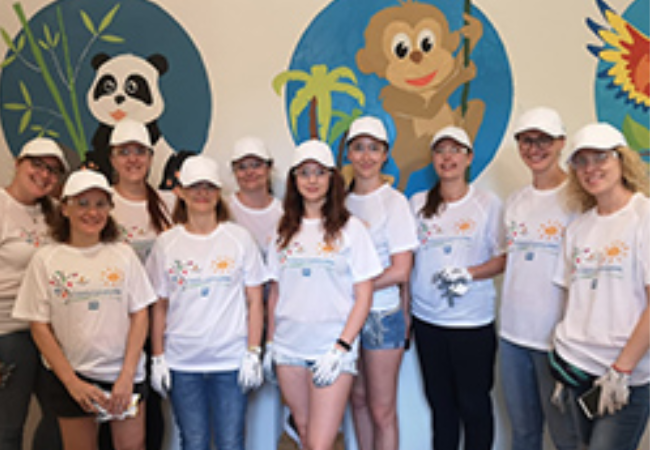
589	401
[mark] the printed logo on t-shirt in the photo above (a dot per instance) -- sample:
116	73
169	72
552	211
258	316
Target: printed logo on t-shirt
112	277
63	284
181	271
590	263
33	237
433	235
291	250
547	239
128	234
223	265
296	256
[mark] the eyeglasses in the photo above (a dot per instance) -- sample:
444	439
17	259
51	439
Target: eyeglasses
306	173
202	186
581	161
541	142
39	164
86	205
450	150
127	150
374	147
253	164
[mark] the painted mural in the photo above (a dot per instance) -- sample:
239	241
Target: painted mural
77	67
418	65
622	83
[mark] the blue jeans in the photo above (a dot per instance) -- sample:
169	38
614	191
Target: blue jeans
620	431
18	349
209	404
528	386
384	330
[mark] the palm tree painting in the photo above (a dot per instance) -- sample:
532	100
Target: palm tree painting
316	95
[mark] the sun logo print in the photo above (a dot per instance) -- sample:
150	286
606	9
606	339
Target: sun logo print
615	252
222	265
464	226
551	230
112	277
325	249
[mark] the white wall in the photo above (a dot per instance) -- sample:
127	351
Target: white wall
545	40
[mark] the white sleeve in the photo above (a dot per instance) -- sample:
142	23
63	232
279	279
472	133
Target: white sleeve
254	270
401	228
644	250
155	268
138	287
272	266
364	261
562	275
494	228
33	302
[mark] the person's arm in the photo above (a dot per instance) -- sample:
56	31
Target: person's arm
271	303
638	343
405	301
488	269
255	315
398	272
158	323
363	301
123	386
85	394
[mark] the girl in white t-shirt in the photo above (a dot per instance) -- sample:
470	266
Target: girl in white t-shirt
207	326
86	298
25	210
386	214
322	264
603	339
453	296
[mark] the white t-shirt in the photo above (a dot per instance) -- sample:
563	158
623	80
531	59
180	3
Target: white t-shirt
605	266
135	225
386	214
261	223
204	278
87	295
467	233
531	304
316	285
22	232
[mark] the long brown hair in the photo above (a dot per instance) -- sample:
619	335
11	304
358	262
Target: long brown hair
157	209
335	214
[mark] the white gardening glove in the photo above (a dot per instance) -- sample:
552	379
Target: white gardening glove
268	364
327	367
454	282
250	370
615	391
161	380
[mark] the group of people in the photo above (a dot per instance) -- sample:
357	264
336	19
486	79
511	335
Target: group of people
321	292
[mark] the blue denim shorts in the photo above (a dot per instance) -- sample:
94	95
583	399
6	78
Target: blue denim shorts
349	363
384	330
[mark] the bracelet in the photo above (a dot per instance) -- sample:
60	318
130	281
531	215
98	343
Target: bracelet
619	370
347	347
255	349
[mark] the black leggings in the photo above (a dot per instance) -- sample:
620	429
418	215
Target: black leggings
457	366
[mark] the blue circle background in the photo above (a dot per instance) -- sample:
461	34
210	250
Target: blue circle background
147	29
336	34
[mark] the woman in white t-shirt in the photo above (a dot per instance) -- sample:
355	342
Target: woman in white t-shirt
25	210
453	296
322	265
603	340
386	214
86	298
535	219
207	326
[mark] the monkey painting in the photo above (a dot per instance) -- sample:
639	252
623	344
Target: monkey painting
412	47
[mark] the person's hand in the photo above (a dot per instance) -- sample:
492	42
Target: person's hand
268	364
161	380
87	395
250	370
6	370
453	282
615	391
120	398
327	367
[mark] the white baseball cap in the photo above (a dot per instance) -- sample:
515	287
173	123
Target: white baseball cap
42	146
597	136
543	119
198	168
368	126
128	130
455	134
250	146
84	180
313	150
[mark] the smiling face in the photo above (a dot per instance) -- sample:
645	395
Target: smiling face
200	198
131	162
539	151
312	181
36	177
599	172
451	160
252	174
367	156
88	214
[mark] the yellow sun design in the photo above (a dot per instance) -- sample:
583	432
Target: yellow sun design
465	226
615	252
222	265
112	276
550	230
326	249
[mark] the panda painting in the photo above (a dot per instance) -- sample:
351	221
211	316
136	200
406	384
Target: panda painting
127	86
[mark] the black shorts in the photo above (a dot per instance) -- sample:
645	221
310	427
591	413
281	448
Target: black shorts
62	403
